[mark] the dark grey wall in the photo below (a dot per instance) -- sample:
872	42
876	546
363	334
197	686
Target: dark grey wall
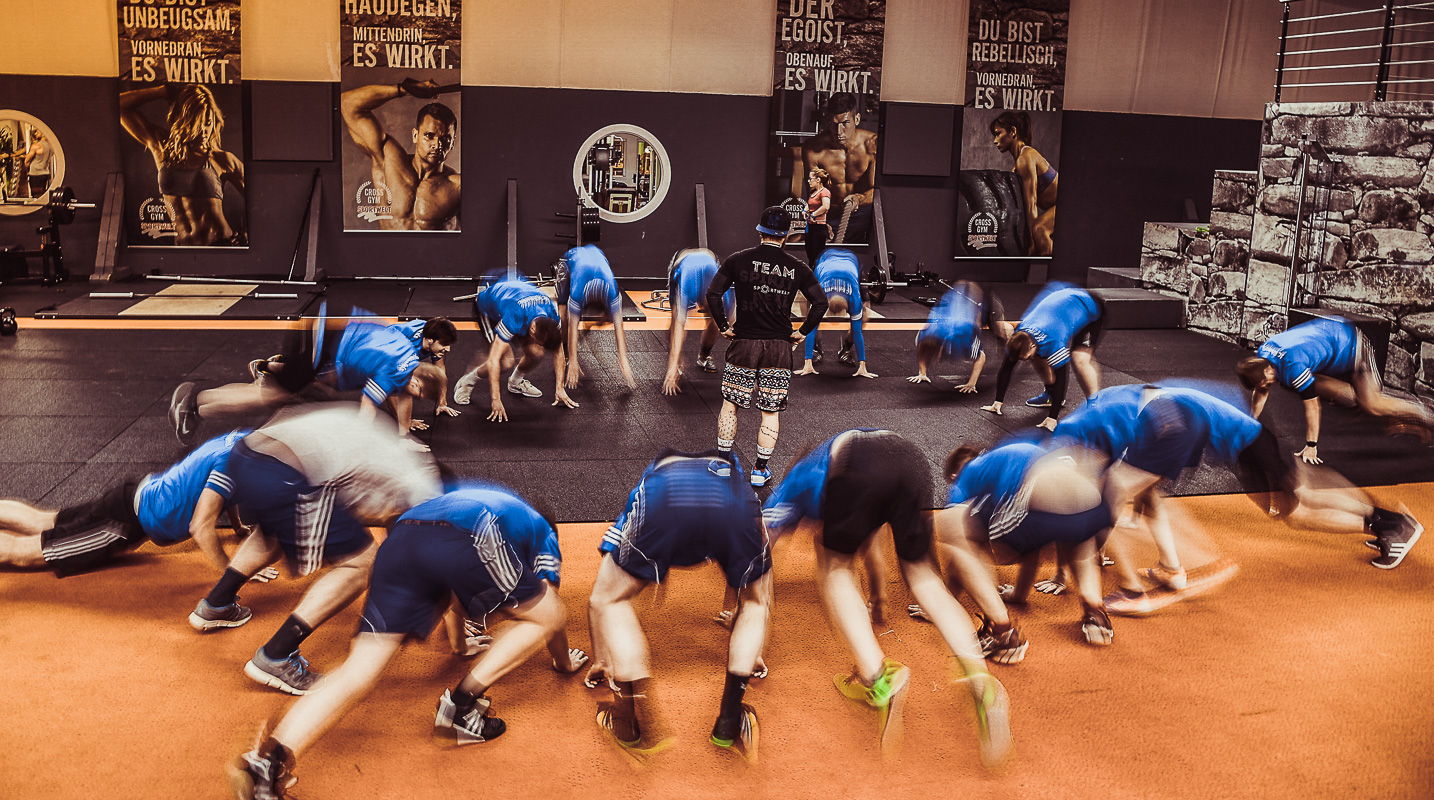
1117	171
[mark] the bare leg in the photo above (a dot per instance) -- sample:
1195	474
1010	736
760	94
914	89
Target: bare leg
727	425
536	621
1087	371
335	589
614	622
254	554
957	538
767	434
874	560
749	630
842	596
236	398
316	711
24	519
20	551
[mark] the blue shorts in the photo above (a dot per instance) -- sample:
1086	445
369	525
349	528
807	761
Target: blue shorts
421	563
674	526
1171	441
1040	528
306	520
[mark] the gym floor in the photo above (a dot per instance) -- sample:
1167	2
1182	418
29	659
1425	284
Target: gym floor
1305	676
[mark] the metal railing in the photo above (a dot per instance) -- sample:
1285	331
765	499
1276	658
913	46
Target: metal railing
1396	35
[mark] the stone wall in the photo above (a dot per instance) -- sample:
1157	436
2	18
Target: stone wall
1371	231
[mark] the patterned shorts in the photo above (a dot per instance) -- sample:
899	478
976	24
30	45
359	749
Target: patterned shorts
758	366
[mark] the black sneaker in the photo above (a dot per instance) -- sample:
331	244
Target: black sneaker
471	726
817	355
1006	647
256	777
1395	543
846	355
184	413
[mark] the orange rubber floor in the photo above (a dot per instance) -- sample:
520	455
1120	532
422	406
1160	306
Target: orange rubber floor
1307	676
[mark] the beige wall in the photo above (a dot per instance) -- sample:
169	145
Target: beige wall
1205	58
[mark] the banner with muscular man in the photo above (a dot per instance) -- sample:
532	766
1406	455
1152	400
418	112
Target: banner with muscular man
181	109
400	109
825	116
1011	128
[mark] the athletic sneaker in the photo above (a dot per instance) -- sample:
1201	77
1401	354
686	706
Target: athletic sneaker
706	364
184	413
1042	400
743	740
207	617
886	695
993	720
472	727
1005	647
817	355
256	777
463	389
1395	544
637	751
1096	627
258	369
524	387
1164	576
761	476
846	355
290	675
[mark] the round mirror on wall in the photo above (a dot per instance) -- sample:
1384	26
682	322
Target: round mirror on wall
623	171
31	163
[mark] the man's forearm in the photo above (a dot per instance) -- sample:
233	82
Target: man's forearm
1312	413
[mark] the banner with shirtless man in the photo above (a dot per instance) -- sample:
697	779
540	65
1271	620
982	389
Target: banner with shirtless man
181	109
825	117
400	109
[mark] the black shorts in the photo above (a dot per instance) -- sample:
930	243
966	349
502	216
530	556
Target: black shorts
1267	473
89	535
1040	528
760	368
877	478
308	353
1090	336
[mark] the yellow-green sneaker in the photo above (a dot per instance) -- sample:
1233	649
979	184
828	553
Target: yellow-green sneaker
993	718
744	741
638	751
886	694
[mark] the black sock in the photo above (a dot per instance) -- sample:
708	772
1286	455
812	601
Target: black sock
1381	520
287	639
465	701
729	715
761	463
624	712
704	353
226	591
278	754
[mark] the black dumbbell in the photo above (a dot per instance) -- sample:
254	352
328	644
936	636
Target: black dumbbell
7	322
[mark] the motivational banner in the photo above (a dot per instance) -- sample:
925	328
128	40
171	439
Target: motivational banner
400	107
182	113
826	114
1011	128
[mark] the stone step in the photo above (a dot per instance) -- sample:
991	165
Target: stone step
1113	278
1129	308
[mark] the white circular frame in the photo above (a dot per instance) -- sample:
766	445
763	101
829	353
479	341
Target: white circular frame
657	197
57	176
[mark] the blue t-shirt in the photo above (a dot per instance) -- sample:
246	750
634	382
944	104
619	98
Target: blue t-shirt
375	358
1053	320
800	492
590	280
511	306
1106	422
1228	430
994	478
476	507
413	329
839	273
167	500
955	322
691	277
1317	347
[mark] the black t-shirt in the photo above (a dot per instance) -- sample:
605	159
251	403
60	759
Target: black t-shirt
766	280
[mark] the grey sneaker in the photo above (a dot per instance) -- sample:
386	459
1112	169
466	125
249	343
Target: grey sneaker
184	413
524	387
255	777
290	675
207	617
706	364
463	390
472	727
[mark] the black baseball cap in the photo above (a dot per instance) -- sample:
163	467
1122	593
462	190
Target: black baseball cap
775	221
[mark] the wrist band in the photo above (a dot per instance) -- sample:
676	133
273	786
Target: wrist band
399	87
1311	444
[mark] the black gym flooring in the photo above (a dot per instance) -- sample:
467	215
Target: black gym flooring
81	409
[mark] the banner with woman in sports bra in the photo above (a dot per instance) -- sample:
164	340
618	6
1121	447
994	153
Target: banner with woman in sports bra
182	113
1011	128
